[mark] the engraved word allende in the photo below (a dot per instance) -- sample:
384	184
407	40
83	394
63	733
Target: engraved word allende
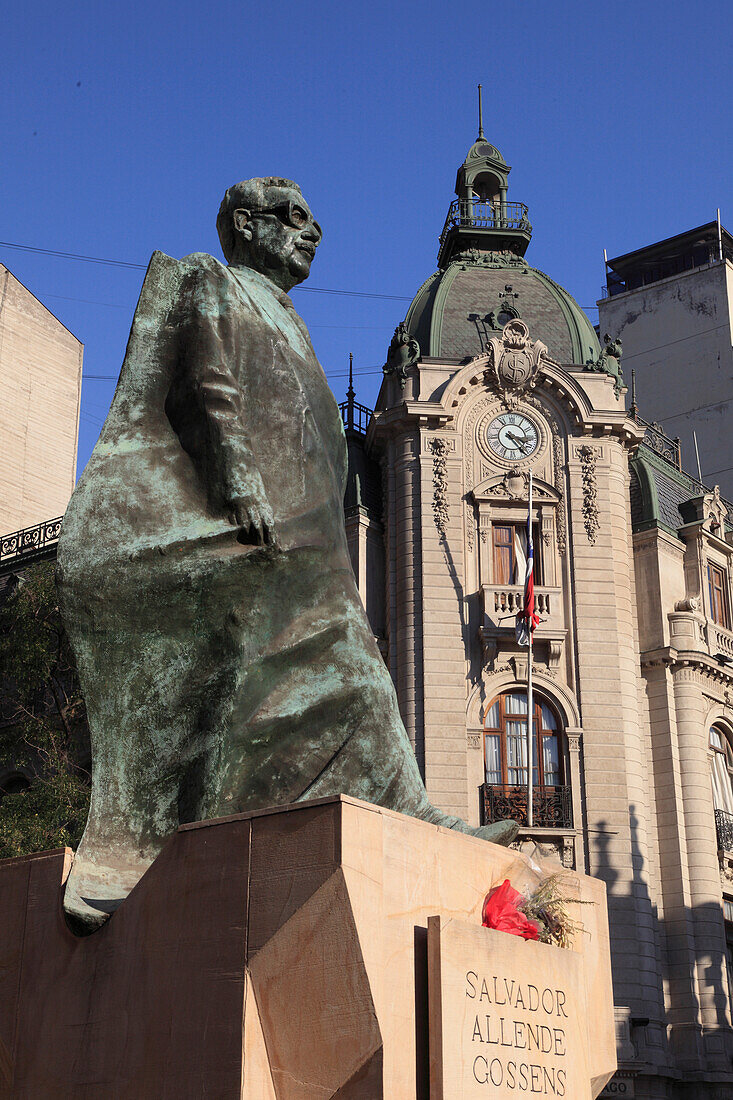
518	1017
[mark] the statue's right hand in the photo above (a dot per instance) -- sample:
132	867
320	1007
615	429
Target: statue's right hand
251	512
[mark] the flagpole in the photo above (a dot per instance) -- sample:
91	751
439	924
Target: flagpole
530	700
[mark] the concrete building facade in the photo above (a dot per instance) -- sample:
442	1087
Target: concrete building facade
497	372
40	397
671	304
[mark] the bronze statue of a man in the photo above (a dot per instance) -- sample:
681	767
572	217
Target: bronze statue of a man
204	577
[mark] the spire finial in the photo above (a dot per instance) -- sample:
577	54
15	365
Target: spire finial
633	410
350	391
480	118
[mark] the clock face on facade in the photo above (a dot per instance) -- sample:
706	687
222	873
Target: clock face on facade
512	436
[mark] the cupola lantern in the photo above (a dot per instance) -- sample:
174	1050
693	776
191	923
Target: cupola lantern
481	218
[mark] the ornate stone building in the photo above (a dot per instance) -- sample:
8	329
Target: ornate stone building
497	372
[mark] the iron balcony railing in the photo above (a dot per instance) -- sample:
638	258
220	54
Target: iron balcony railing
552	807
486	215
356	417
32	543
724	829
657	440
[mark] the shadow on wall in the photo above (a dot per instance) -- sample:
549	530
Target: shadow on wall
660	938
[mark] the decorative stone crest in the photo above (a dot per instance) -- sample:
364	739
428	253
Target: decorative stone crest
439	448
588	458
515	360
404	352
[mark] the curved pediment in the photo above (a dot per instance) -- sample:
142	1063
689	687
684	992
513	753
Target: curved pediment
513	486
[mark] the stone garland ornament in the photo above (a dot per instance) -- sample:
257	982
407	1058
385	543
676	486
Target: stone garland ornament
439	449
557	462
588	459
473	255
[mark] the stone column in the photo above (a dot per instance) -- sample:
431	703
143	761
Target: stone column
704	872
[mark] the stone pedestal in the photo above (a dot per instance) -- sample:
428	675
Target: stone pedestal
279	955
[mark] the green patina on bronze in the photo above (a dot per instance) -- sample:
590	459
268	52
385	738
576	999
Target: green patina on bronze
203	570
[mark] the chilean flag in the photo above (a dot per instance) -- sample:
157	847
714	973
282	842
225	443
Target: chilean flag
527	619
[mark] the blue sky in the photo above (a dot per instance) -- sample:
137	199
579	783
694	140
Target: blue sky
123	125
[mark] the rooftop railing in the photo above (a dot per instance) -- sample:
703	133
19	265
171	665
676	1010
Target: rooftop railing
486	215
657	440
356	417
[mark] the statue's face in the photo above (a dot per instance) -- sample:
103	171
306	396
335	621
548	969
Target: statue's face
279	240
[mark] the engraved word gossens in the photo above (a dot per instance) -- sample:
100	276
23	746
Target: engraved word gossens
513	1021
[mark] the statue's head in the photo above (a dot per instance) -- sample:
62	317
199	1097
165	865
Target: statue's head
266	224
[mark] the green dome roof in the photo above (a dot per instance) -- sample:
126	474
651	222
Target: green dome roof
456	311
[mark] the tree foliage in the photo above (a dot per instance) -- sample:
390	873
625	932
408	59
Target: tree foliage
43	728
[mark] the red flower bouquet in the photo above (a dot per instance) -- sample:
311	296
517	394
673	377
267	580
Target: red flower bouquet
502	911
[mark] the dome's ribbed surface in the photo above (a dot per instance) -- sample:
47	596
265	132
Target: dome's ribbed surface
450	316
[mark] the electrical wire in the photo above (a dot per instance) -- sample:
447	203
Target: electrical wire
143	267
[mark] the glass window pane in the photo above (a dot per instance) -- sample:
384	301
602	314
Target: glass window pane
716	741
516	754
722	791
493	758
550	761
548	718
493	718
515	704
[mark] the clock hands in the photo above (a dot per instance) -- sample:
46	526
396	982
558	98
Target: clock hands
520	442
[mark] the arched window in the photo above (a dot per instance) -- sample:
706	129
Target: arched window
505	739
505	756
722	769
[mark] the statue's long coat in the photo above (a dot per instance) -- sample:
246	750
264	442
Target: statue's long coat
219	676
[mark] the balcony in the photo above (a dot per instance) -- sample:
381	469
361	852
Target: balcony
509	601
506	223
356	417
500	604
486	215
29	545
724	830
552	807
